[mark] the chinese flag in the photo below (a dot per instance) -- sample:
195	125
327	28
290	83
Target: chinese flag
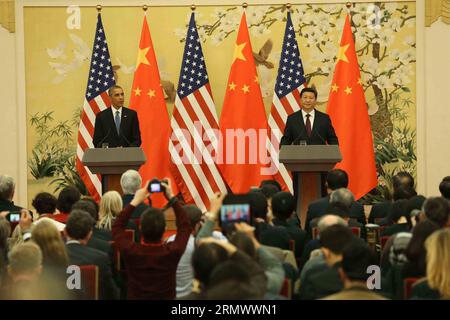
348	112
243	158
148	100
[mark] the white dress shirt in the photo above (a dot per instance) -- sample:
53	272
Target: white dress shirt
114	110
311	118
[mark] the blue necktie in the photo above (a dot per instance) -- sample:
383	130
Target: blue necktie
117	121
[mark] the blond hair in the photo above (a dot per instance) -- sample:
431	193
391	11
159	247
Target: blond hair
438	261
110	207
25	258
48	238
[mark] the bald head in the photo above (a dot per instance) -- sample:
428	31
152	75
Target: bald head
330	220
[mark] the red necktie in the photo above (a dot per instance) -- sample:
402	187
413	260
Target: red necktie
308	125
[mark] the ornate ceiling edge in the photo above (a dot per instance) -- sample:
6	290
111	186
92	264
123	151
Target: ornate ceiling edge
7	15
435	9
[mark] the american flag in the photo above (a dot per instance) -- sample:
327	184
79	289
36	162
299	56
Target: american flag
286	98
194	117
101	78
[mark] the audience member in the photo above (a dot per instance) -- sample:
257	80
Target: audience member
322	283
185	273
437	283
205	258
152	264
67	197
110	207
437	210
54	258
244	239
356	258
5	231
415	267
444	187
266	233
24	269
7	188
283	207
78	232
131	182
380	210
336	179
231	281
398	219
44	203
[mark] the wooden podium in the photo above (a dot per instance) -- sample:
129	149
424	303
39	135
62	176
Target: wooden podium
308	162
110	163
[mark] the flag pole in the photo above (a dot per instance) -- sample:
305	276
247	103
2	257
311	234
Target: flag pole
288	6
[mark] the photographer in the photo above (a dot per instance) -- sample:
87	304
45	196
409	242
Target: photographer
272	267
152	264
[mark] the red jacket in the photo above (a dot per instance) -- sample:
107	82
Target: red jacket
151	267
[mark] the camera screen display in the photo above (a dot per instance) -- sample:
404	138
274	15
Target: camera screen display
14	217
232	213
155	187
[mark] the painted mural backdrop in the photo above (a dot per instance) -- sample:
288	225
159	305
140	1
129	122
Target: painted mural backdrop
58	44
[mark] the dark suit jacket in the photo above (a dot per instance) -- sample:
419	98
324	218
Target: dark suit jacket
421	290
126	199
105	129
84	255
379	211
296	234
321	284
318	208
6	205
322	130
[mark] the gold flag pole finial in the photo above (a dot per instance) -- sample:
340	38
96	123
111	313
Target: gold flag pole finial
193	7
145	8
245	5
99	8
288	7
348	5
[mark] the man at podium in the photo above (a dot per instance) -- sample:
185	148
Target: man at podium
308	125
116	126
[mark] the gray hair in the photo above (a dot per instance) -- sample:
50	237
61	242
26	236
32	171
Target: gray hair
342	195
7	186
330	220
5	231
130	181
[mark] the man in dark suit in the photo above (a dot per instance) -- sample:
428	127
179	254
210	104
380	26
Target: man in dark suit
380	210
131	181
283	207
7	187
336	179
117	126
320	282
308	126
78	232
356	258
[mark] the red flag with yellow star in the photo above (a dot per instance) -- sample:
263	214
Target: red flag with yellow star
148	100
243	158
348	111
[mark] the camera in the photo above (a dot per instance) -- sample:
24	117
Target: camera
13	216
156	186
235	208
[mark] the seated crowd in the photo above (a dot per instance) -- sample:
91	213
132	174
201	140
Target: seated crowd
71	247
